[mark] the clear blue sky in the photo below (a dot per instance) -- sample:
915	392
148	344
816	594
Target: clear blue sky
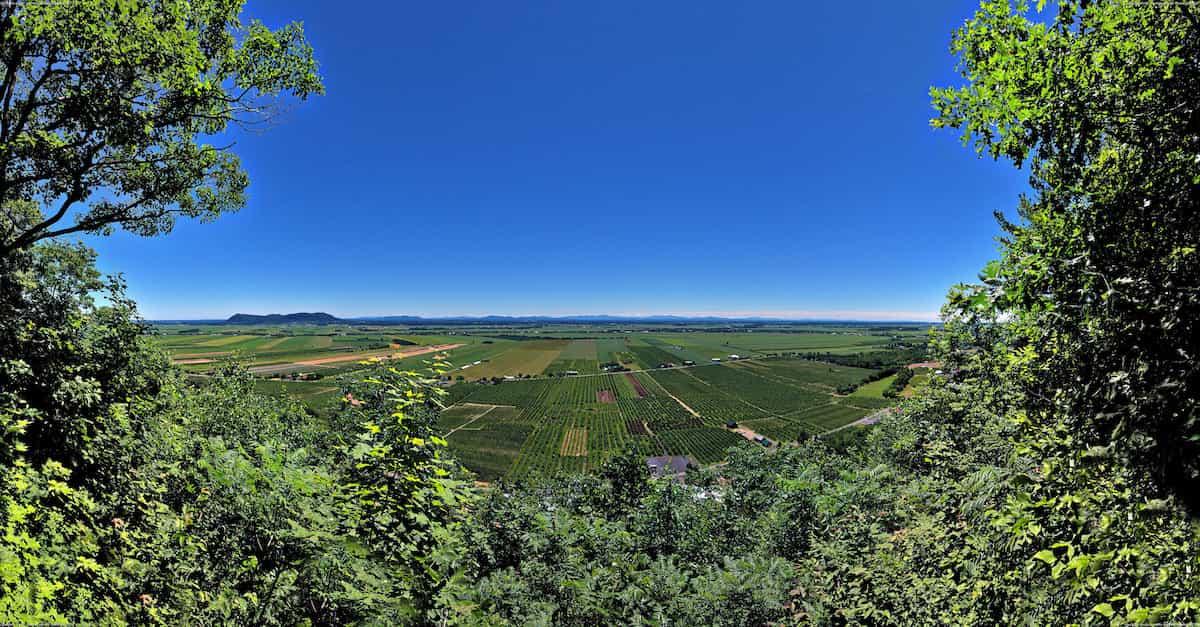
769	158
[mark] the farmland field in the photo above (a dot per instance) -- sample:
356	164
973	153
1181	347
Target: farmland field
519	358
578	356
575	423
530	401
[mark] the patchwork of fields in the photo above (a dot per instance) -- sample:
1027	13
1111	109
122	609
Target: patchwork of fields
532	401
576	423
276	350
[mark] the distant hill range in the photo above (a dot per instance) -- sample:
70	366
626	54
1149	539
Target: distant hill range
292	318
607	319
324	318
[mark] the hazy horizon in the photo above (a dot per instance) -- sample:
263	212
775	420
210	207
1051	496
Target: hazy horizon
784	316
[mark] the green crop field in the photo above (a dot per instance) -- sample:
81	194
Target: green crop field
273	351
650	356
577	356
518	358
670	411
527	401
317	395
609	350
491	449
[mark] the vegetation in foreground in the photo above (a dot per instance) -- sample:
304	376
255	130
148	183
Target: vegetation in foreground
1052	479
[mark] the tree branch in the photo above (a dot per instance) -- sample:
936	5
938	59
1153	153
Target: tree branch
31	98
32	235
111	217
22	118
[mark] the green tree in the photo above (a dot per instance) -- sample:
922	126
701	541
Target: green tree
407	496
1100	278
107	108
1086	325
65	361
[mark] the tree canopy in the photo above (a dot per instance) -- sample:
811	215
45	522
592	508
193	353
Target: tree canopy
1098	281
111	112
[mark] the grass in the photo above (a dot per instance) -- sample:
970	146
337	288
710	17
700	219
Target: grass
649	356
873	389
920	379
609	349
519	358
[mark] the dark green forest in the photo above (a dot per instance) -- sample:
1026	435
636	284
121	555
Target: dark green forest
1050	478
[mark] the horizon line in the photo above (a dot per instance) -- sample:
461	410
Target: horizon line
782	316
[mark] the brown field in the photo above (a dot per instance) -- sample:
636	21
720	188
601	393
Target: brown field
416	350
200	360
574	443
746	432
637	386
605	396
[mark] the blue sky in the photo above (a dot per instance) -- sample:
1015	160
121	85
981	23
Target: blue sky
762	158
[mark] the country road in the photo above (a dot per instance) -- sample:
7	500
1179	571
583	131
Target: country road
868	420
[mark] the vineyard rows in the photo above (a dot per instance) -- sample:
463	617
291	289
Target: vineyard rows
576	423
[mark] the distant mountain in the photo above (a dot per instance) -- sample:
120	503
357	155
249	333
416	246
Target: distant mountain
609	319
390	319
324	318
292	318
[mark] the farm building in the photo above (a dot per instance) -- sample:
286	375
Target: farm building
673	466
716	359
688	362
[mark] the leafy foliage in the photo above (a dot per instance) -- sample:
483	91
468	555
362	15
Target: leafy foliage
1098	282
107	106
132	496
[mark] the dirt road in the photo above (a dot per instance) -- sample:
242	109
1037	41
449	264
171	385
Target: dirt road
416	350
868	420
